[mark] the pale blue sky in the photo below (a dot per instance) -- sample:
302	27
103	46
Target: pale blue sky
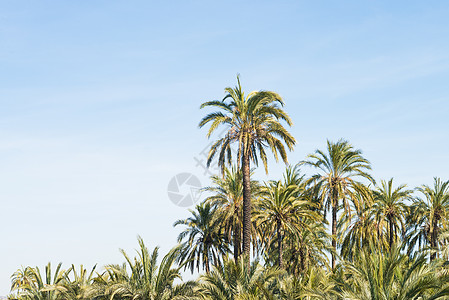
100	105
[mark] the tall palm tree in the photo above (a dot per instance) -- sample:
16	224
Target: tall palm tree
205	242
254	123
428	216
238	280
389	207
227	200
146	279
335	181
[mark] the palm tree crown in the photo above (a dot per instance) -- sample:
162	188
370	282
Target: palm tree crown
204	243
429	216
390	207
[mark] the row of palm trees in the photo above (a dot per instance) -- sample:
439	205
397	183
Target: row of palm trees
289	219
274	239
374	274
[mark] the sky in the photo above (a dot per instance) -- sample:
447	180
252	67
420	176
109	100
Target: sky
99	106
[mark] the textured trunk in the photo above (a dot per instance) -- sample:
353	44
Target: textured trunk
334	231
434	237
390	238
207	267
246	206
281	263
237	239
302	260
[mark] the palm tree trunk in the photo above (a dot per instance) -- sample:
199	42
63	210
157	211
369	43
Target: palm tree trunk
434	238
246	205
390	238
207	267
237	239
281	263
302	260
334	231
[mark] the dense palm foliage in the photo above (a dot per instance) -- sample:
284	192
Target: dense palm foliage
227	200
142	278
429	216
31	284
204	239
238	280
383	242
390	209
281	211
393	275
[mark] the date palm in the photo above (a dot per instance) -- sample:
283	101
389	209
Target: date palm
204	241
429	215
283	211
237	281
306	249
335	181
29	283
75	285
392	275
313	284
146	279
360	229
389	208
254	122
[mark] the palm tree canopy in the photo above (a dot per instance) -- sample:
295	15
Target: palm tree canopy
204	240
252	121
338	167
429	215
146	279
238	280
390	208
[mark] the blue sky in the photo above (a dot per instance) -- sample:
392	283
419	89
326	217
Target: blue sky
100	106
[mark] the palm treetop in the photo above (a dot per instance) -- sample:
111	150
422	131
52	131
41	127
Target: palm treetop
438	195
342	162
252	121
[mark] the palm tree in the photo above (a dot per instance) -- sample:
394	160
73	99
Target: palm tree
146	280
204	241
289	225
315	283
254	122
428	216
392	275
30	284
360	229
238	280
306	249
80	287
281	211
227	199
389	207
335	182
